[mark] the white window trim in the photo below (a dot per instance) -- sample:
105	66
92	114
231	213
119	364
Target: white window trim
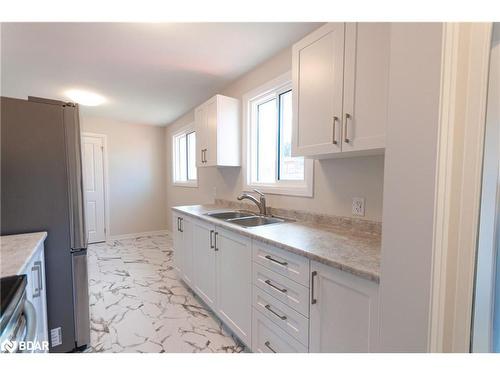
184	130
294	188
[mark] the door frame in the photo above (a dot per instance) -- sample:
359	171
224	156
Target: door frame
104	139
453	266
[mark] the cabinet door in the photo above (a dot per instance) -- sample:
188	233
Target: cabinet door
366	81
178	243
204	266
318	72
201	143
234	282
186	228
36	295
343	312
211	133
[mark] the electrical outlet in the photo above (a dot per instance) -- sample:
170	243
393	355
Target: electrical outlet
358	206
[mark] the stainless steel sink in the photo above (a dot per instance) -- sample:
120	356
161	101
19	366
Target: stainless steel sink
245	218
256	221
228	215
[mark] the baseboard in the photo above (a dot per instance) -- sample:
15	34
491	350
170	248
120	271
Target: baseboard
135	235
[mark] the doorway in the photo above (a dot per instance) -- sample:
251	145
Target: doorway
95	186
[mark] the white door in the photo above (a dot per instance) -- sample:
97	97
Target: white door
93	183
343	312
204	262
366	85
234	282
318	74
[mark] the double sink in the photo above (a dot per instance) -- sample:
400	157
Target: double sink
246	218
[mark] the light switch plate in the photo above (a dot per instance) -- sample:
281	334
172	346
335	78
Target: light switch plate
358	206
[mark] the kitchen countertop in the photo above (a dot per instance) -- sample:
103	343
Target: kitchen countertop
356	252
16	250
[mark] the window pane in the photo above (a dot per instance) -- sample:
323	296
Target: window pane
289	168
182	160
191	156
266	141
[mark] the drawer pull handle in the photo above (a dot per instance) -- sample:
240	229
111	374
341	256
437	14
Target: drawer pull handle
268	282
268	344
313	275
276	260
282	317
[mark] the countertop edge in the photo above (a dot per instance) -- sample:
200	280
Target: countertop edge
32	252
367	275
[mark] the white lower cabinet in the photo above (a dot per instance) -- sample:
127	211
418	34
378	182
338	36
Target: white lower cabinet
343	313
183	248
267	337
204	260
36	295
273	300
234	282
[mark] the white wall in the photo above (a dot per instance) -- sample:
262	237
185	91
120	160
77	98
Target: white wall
137	174
336	181
409	186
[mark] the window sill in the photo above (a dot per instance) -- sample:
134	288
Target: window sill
297	191
193	184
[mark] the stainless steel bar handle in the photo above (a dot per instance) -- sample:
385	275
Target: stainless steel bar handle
216	234
276	260
335	119
181	220
282	317
268	344
178	224
282	290
313	275
211	241
36	283
347	116
40	276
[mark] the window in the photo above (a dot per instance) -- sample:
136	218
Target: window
270	165
184	158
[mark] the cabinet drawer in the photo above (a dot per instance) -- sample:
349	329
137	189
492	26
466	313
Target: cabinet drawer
283	262
282	288
289	320
267	337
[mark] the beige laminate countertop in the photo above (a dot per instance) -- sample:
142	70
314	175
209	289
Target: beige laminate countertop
16	250
352	251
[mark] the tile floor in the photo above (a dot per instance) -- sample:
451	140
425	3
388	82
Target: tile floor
138	304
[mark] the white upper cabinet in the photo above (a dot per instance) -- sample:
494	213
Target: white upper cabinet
340	90
218	132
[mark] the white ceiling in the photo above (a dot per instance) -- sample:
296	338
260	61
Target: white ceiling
151	73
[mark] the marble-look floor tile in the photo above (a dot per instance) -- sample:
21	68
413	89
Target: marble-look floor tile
139	305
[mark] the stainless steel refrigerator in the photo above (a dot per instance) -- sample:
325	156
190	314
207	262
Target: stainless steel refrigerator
42	190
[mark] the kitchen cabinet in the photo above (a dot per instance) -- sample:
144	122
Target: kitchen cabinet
183	248
340	78
218	132
234	282
343	312
204	261
36	294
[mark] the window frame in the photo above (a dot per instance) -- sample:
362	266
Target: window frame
184	131
263	93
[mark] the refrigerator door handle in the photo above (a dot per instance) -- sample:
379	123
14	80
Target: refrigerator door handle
78	230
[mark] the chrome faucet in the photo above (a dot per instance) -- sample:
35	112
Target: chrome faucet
261	202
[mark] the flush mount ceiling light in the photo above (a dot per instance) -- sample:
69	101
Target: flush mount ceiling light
85	97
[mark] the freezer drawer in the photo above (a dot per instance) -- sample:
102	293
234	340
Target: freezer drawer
81	298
